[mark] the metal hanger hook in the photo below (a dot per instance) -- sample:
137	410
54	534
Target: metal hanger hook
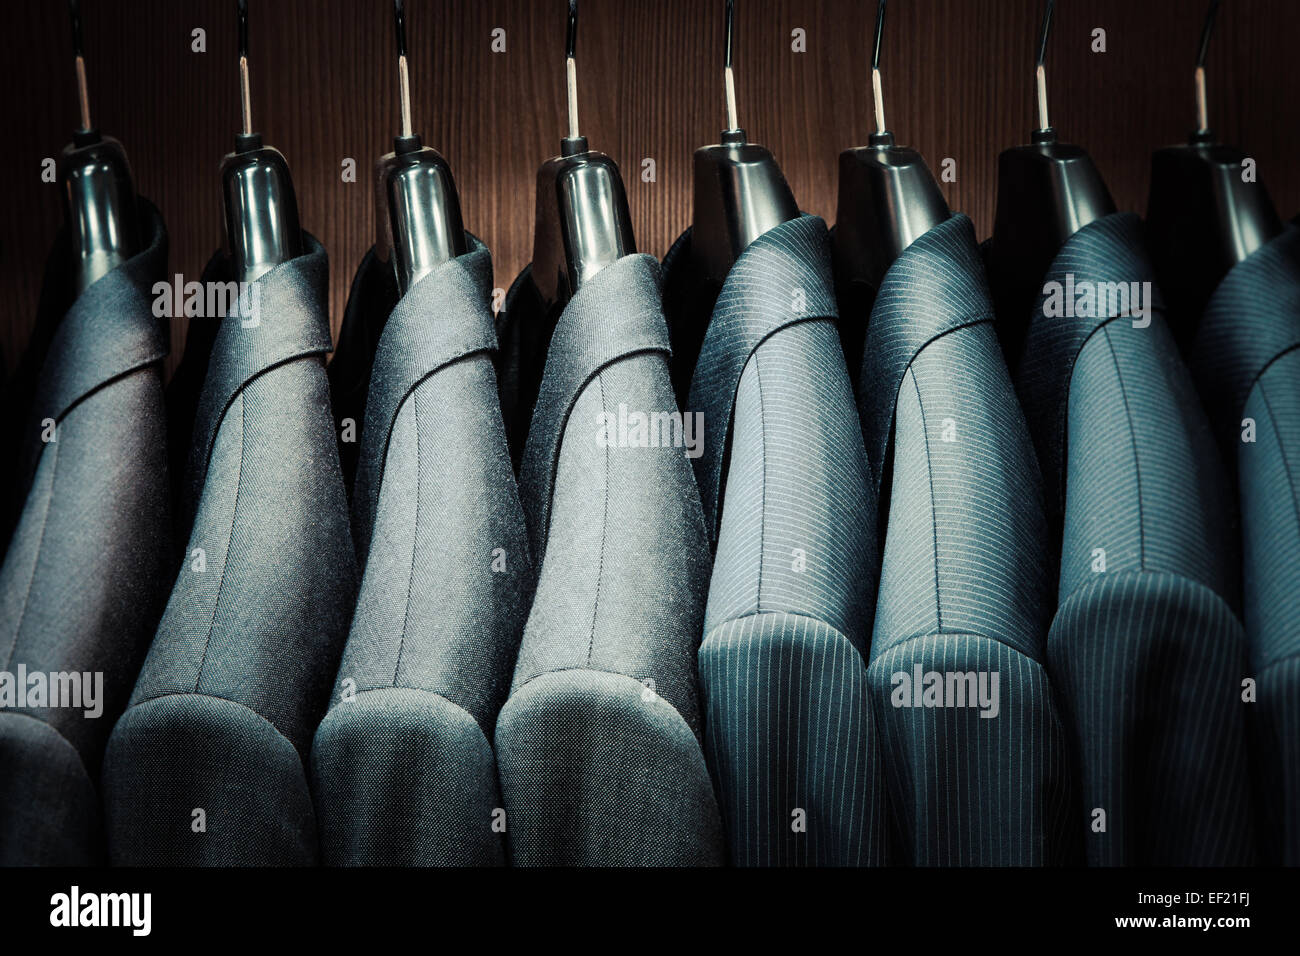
728	74
83	88
243	28
1046	32
1206	33
1044	120
877	89
399	26
1202	100
74	8
880	30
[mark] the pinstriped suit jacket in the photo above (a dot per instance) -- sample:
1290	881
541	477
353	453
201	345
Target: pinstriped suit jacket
403	767
789	731
238	674
964	586
597	745
1146	648
81	585
1247	363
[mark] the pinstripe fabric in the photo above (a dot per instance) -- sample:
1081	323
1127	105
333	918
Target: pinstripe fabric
403	769
778	686
964	584
83	580
1145	648
239	672
1247	362
597	745
790	735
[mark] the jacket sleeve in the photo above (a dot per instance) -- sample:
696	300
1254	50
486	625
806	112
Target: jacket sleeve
207	765
790	735
598	744
82	584
403	771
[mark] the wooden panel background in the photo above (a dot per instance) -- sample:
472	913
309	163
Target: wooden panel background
958	81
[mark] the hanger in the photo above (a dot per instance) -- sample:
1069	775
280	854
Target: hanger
1047	191
888	197
261	208
417	206
1202	219
582	221
98	194
740	191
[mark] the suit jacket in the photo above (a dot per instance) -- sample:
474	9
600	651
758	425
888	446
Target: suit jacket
403	767
598	744
1246	359
58	292
82	586
790	736
1146	647
208	764
964	588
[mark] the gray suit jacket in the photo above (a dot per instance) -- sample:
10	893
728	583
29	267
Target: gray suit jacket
1247	363
965	589
207	765
790	735
403	767
83	581
1146	648
598	745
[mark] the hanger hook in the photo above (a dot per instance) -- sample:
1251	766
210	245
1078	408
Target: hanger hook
571	34
1044	122
1206	33
245	87
880	29
877	90
74	8
729	27
1046	32
571	69
403	73
83	89
1202	100
399	26
728	75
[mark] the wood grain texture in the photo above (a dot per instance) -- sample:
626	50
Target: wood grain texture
958	82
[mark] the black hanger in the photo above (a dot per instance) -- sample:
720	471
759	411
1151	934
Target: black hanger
740	191
888	196
417	206
582	222
1202	219
261	207
98	194
1047	191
